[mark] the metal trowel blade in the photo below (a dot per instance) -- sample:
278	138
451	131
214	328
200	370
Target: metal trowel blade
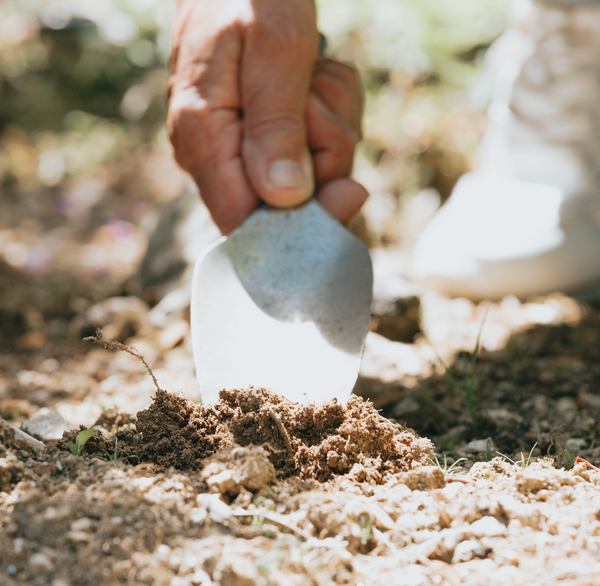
283	302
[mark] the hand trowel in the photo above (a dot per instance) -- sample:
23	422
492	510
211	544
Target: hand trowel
283	302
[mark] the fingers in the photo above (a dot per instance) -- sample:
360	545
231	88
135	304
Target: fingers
333	115
280	50
342	198
203	117
332	142
340	88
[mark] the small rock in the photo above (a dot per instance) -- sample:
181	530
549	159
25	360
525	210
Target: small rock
408	405
83	524
487	527
492	469
477	446
503	417
79	536
423	478
567	408
217	509
40	562
469	550
48	426
589	400
575	444
233	469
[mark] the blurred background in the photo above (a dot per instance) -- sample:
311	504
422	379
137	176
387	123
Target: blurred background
85	163
86	168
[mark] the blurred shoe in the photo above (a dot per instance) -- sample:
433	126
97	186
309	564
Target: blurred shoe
527	221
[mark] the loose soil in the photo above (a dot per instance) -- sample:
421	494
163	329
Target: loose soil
255	490
308	441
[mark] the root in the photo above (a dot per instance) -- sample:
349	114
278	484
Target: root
114	345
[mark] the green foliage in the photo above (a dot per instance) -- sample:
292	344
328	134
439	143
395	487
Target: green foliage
570	456
114	457
447	470
467	389
488	450
525	460
82	438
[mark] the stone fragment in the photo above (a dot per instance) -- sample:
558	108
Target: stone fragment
40	562
477	446
468	550
233	469
487	527
48	426
423	478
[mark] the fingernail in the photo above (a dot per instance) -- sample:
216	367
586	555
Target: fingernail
288	174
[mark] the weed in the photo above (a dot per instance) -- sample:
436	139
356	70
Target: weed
570	456
82	438
524	462
488	449
114	457
447	470
467	389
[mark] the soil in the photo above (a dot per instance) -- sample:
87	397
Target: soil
307	441
255	490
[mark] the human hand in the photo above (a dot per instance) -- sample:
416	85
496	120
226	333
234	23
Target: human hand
250	99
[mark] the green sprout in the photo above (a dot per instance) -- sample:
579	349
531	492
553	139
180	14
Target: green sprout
447	470
114	457
82	438
467	389
570	456
524	461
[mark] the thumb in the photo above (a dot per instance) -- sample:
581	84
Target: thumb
276	76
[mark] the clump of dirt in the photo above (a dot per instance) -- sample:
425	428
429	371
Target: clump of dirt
308	441
13	454
112	419
232	470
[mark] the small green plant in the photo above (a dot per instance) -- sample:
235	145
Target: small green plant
570	456
82	438
524	462
467	388
447	470
114	457
488	449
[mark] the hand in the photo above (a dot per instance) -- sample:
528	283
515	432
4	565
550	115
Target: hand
255	114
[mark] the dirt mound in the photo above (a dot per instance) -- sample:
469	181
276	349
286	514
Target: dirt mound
308	441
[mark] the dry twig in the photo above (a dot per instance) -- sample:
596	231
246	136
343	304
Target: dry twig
114	345
580	460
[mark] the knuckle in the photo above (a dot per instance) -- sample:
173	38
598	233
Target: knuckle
187	120
286	123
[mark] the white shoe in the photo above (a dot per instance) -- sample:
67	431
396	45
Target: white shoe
528	220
